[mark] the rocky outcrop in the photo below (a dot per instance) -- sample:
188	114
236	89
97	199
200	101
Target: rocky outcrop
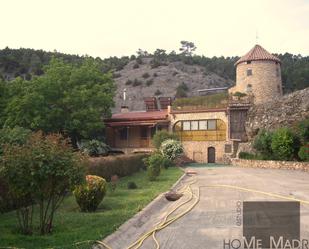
145	81
285	111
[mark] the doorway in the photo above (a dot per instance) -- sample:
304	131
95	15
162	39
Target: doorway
211	153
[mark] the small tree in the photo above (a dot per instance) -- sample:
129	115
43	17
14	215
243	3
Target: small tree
161	136
303	153
187	48
262	143
44	169
282	144
171	149
154	164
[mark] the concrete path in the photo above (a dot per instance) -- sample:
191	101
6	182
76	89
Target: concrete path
214	219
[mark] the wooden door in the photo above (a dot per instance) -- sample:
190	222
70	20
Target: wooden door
211	153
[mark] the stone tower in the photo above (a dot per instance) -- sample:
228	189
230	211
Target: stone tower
258	72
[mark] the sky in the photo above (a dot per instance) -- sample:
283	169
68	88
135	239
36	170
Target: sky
120	27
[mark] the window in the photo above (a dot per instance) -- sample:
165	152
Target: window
249	72
186	126
203	125
194	125
228	148
248	62
144	132
277	72
212	124
249	88
124	133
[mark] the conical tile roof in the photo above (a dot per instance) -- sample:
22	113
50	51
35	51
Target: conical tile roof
258	53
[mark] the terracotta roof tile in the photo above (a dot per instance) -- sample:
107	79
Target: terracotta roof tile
139	115
257	53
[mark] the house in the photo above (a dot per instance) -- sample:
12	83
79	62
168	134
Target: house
210	127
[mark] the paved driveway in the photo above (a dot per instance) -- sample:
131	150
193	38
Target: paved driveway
215	217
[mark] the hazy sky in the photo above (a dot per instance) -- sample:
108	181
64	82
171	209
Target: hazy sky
119	27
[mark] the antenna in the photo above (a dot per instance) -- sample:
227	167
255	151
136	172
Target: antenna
124	94
256	37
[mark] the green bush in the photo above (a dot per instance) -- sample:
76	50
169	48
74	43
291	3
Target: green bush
132	185
166	163
42	170
246	155
262	143
282	144
122	165
303	130
171	149
161	136
146	75
90	194
13	136
94	147
303	153
154	164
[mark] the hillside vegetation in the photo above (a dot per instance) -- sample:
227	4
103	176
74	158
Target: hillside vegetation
157	73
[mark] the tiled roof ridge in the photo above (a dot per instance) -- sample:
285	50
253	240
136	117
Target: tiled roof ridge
258	53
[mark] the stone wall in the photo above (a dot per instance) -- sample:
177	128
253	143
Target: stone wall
290	165
286	111
265	80
198	150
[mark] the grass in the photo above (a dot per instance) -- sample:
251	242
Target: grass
219	100
72	226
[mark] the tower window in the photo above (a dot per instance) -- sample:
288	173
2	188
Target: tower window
249	72
277	72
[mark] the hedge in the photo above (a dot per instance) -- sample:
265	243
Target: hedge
122	165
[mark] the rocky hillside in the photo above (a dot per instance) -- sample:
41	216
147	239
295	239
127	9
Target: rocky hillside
142	80
286	111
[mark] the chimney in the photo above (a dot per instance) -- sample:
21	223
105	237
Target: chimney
151	104
124	109
165	102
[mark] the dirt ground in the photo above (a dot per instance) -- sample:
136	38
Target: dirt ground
216	217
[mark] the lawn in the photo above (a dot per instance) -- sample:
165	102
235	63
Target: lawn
72	226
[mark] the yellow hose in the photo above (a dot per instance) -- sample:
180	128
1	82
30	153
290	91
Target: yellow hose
187	188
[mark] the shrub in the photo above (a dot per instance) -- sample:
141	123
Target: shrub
90	194
161	136
137	82
166	163
154	164
282	144
43	170
246	155
262	143
129	82
239	94
94	148
146	75
171	149
155	75
122	165
135	66
149	82
157	92
303	130
13	136
132	185
303	153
